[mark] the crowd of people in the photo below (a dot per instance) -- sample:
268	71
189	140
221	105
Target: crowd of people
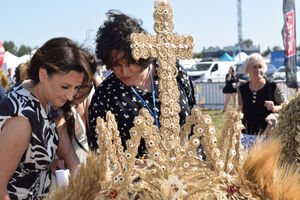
48	120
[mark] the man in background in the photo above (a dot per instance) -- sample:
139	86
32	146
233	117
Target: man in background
10	77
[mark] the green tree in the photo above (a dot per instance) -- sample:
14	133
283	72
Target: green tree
248	42
10	47
198	55
23	50
276	48
266	52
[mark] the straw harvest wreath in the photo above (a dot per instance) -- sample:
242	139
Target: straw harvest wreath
174	171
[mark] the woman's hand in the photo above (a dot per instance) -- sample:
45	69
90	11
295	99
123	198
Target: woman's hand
271	120
269	105
56	165
141	163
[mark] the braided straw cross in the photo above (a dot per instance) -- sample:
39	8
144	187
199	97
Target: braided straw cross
166	47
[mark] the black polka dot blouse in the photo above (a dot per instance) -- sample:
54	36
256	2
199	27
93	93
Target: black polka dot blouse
113	95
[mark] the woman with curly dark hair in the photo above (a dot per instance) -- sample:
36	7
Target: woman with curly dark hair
133	84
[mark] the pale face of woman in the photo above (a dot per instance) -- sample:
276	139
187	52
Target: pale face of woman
129	74
256	70
82	93
58	88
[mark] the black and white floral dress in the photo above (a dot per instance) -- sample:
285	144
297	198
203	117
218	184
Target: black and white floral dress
115	96
32	178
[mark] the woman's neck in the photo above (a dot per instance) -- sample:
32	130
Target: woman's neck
36	91
144	82
256	85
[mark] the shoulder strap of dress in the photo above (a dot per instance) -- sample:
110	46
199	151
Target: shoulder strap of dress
75	138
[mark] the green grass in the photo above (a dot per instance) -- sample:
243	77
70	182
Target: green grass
218	118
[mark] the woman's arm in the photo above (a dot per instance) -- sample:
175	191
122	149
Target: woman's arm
65	150
279	96
228	77
240	101
242	81
14	140
279	99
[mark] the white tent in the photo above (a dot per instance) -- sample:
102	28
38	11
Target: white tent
12	61
241	56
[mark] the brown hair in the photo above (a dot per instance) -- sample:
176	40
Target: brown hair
60	55
3	80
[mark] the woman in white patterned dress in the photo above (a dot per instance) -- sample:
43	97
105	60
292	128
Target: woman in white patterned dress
28	136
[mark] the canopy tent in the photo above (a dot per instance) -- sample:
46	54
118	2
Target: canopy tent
225	57
12	61
241	56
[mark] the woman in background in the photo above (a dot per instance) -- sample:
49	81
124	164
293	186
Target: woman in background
72	118
2	92
21	72
3	80
230	89
257	99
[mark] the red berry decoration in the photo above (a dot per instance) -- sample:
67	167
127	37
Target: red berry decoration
231	189
113	194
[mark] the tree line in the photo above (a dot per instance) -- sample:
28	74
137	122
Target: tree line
23	49
248	43
17	51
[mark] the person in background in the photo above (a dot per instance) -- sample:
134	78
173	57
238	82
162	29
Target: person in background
106	73
10	77
257	99
131	82
28	136
230	89
3	80
21	72
2	92
72	118
97	78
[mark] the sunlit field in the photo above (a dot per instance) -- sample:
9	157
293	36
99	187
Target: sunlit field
218	118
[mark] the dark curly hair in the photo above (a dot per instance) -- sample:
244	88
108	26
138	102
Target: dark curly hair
114	35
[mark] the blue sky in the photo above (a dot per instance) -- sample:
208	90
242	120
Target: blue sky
210	22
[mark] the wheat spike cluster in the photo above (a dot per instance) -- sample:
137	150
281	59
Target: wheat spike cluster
173	170
289	127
